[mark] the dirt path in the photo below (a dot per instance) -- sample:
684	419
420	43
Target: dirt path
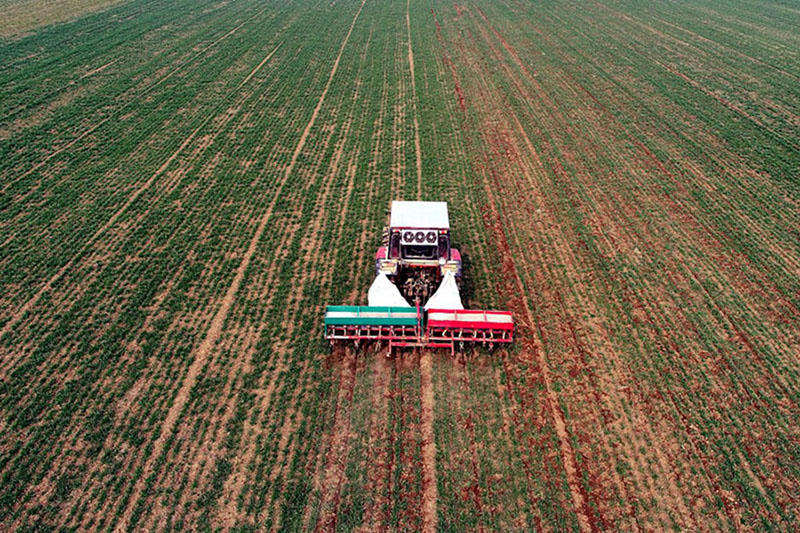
430	494
98	69
258	67
414	104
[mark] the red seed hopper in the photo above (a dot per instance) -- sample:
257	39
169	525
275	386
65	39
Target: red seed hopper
468	325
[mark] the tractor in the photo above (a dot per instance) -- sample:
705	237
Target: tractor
416	251
416	263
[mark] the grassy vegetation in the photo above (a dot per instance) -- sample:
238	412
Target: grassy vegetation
622	177
22	16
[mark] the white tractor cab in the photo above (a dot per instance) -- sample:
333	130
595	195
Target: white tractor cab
416	253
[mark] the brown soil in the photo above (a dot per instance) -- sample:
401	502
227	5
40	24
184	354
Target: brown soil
430	491
336	461
380	466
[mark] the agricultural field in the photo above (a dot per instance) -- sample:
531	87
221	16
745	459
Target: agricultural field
21	16
185	185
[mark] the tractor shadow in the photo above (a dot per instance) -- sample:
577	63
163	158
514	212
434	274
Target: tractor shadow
467	285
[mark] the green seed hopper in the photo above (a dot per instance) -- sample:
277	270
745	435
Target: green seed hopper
358	322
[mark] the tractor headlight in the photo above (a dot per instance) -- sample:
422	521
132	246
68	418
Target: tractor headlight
420	236
449	266
389	268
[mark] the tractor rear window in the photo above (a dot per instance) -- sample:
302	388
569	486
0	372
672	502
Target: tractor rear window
419	252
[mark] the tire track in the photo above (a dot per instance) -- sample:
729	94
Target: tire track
334	472
98	69
430	489
380	467
258	67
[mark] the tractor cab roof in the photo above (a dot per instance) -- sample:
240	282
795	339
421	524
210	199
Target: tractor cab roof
419	215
